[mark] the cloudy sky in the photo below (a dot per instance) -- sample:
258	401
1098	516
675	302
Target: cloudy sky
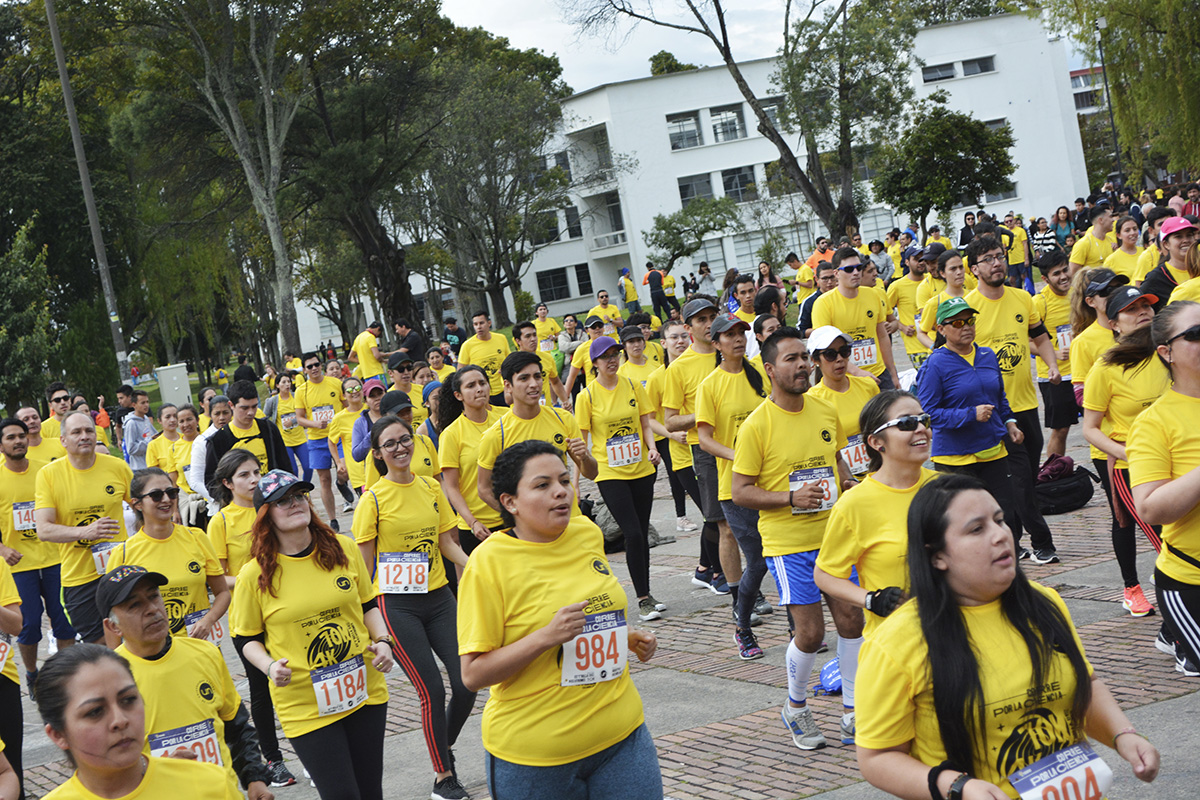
756	25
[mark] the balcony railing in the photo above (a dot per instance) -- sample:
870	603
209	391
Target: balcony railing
609	240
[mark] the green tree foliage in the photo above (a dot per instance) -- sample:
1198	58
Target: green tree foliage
330	276
664	63
943	158
679	235
24	320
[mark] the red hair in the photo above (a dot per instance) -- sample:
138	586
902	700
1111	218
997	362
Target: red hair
264	547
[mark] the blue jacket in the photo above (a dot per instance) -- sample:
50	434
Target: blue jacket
949	388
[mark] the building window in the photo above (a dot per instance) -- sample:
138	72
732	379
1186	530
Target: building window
553	284
612	201
695	187
938	72
545	228
728	124
771	107
745	249
1088	99
739	184
574	228
583	279
562	161
713	253
976	66
994	125
1082	81
684	130
1007	194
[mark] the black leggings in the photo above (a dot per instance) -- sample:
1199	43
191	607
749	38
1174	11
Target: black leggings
710	556
678	489
1124	538
423	626
1180	606
1023	464
262	710
629	501
345	758
12	726
995	476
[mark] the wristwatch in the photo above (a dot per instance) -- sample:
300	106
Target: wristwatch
386	639
956	788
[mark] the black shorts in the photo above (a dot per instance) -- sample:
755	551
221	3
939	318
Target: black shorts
82	611
1061	409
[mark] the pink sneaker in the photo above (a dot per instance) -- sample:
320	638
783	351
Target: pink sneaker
1135	602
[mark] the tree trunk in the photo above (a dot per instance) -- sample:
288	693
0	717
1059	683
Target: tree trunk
384	259
845	220
500	317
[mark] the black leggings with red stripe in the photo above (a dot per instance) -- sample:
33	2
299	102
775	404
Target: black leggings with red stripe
425	625
1124	537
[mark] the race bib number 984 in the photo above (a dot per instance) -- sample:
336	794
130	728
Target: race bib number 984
1073	773
599	653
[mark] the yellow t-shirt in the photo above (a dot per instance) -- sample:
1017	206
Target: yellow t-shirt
613	418
320	402
868	527
581	360
668	284
745	316
229	533
547	333
902	296
80	497
315	621
1055	311
424	461
158	452
51	428
416	397
856	317
895	701
849	405
1188	290
366	359
805	273
929	311
609	314
189	696
458	448
18	491
1086	349
1090	251
405	518
530	718
176	778
1121	394
250	439
1003	325
488	355
725	400
289	428
187	559
339	436
639	372
681	454
784	450
181	461
9	596
553	425
629	289
929	287
1016	245
49	449
654	354
549	370
683	378
205	421
1164	444
444	373
1124	263
1147	261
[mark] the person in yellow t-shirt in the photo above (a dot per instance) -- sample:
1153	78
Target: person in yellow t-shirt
191	505
672	445
952	268
547	328
629	292
1019	253
862	315
787	466
607	312
305	613
804	279
829	349
488	350
437	362
1053	305
158	452
614	412
425	456
58	400
34	563
635	361
318	401
193	710
78	506
366	353
907	742
183	554
581	363
744	291
41	447
350	472
867	533
553	392
902	296
286	419
401	370
205	397
1124	259
554	646
1092	248
404	527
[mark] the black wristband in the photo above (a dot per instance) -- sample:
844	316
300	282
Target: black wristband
956	788
933	778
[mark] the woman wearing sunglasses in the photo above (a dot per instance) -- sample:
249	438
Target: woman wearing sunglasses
962	389
830	352
1164	470
183	554
350	472
403	527
306	616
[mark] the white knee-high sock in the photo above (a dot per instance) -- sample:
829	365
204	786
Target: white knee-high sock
799	667
847	650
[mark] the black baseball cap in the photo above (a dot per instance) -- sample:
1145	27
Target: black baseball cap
394	402
631	332
117	584
593	321
1123	298
1102	279
396	359
693	307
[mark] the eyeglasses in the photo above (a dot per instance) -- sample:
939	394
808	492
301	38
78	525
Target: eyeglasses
1192	334
961	323
403	368
313	366
156	496
992	259
354	390
403	441
832	353
907	423
289	500
851	268
62	399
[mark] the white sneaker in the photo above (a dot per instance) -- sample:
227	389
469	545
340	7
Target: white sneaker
685	525
803	728
347	508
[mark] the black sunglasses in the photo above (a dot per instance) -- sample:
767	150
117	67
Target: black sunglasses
1192	334
832	353
851	268
61	399
907	423
313	366
156	496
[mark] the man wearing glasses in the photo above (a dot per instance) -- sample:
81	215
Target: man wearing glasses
60	403
400	373
317	401
607	312
861	315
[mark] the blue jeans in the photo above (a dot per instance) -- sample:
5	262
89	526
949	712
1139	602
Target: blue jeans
300	461
744	524
40	589
628	770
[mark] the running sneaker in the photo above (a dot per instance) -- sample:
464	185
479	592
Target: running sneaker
1135	602
761	606
824	648
647	610
30	683
848	728
1163	645
1186	666
747	644
718	585
333	523
1045	556
685	525
448	788
658	604
755	619
309	778
280	775
1023	553
702	578
347	507
799	722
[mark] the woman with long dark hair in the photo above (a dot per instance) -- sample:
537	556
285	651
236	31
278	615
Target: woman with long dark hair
984	673
1062	225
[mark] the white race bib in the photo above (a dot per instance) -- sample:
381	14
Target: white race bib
404	573
199	737
323	413
218	629
5	649
288	420
823	477
340	687
23	516
101	553
623	450
855	454
599	653
1073	773
863	353
546	345
1064	336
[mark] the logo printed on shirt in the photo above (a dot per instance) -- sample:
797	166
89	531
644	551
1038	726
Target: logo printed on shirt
1020	318
559	438
600	566
176	610
110	489
826	436
330	645
205	690
870	314
194	567
343	583
1009	356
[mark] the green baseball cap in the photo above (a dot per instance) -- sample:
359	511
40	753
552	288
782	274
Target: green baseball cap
952	307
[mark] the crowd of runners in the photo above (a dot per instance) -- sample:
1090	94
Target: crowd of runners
897	492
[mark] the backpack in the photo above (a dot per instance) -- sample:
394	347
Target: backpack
1062	486
830	679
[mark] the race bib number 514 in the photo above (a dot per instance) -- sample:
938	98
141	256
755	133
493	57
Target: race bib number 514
599	653
1073	773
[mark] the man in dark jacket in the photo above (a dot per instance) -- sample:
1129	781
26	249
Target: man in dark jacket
248	432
